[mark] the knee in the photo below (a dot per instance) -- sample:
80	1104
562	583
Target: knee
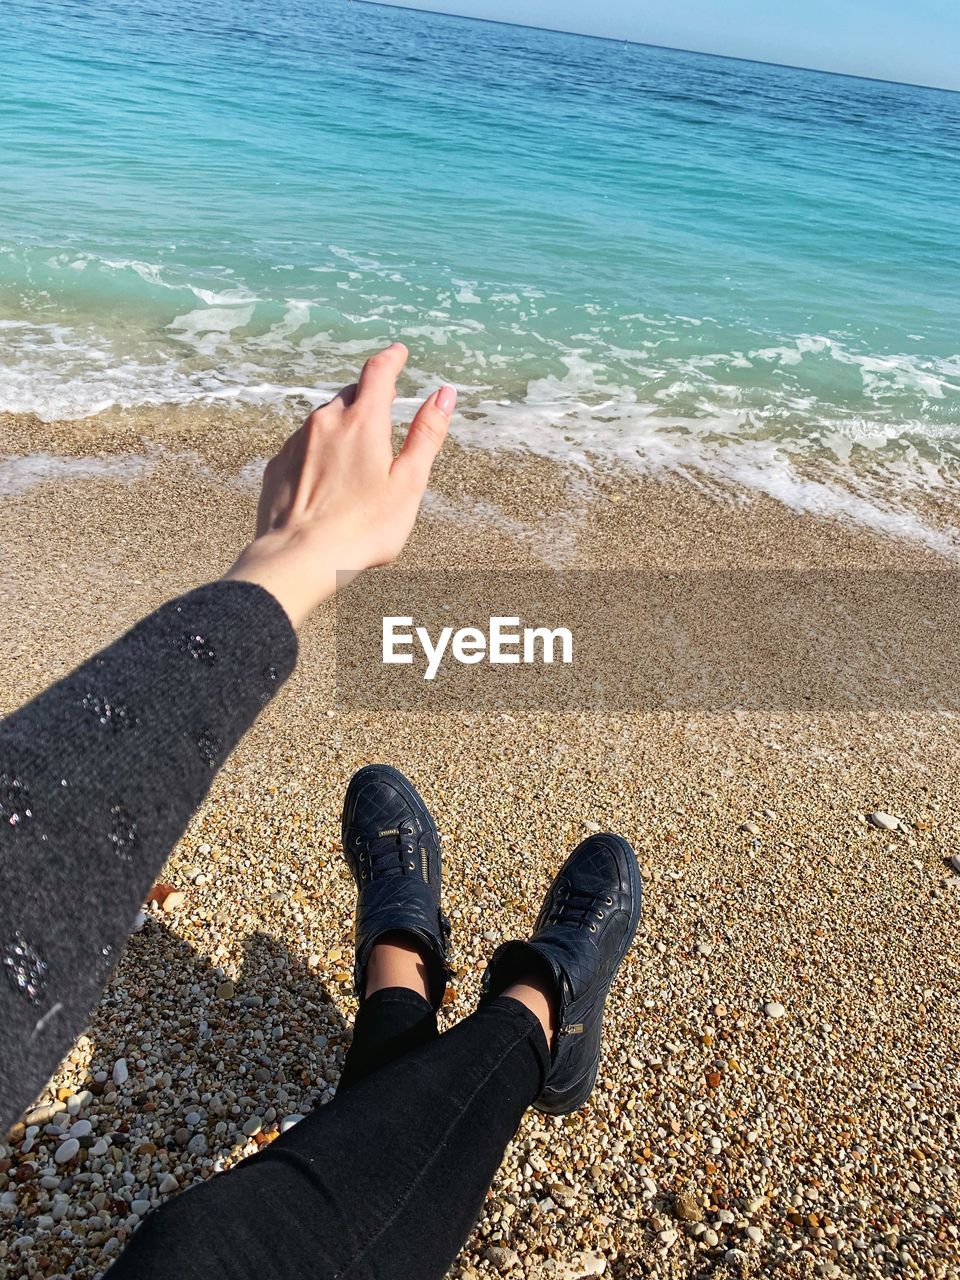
168	1241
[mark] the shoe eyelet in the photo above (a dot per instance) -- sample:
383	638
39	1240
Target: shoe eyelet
599	915
608	901
363	875
593	928
411	866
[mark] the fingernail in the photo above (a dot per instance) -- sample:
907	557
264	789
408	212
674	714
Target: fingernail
447	400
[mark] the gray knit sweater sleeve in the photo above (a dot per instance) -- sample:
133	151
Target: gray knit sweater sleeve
99	776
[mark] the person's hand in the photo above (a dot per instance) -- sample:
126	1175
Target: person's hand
335	499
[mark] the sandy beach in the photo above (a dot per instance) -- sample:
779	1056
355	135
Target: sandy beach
780	1088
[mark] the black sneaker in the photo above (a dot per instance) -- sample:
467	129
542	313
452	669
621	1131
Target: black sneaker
584	930
393	848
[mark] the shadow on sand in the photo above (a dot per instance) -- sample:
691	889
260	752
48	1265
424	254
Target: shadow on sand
203	1062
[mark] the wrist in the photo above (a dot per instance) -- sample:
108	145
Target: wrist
295	575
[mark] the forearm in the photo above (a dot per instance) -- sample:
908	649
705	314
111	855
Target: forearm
99	776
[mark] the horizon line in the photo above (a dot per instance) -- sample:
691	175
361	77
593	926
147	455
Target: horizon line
667	48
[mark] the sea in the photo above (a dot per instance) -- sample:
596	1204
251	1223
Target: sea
744	274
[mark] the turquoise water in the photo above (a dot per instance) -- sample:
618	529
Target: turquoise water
699	264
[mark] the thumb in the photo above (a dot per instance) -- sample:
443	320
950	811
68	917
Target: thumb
426	436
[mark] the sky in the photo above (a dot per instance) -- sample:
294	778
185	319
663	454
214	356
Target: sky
917	41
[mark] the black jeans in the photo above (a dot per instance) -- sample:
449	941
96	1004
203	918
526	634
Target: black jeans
386	1181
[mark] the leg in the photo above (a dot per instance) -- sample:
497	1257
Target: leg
395	1017
392	846
384	1183
389	1024
400	970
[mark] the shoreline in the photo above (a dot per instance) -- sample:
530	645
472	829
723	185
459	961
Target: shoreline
230	445
721	1139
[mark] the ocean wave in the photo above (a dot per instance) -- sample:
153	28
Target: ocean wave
157	276
20	473
878	428
59	373
716	460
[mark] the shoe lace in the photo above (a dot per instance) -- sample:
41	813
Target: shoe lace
580	907
392	853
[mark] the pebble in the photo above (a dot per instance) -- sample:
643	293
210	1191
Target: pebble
169	1185
755	1235
81	1129
502	1258
774	1009
67	1151
289	1121
159	893
120	1072
226	990
687	1208
883	820
750	828
43	1115
581	1266
252	1126
954	861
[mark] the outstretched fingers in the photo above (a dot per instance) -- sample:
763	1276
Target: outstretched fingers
425	437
